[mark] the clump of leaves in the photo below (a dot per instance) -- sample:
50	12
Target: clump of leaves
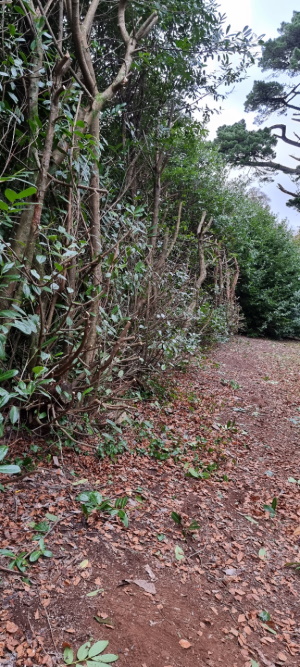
230	426
17	560
90	655
264	615
271	508
41	551
7	469
201	472
93	501
40	527
232	383
21	561
26	461
186	528
158	450
112	443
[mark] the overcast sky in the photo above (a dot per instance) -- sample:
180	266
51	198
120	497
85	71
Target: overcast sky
264	17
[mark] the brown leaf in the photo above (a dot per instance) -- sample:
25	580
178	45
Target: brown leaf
282	657
150	572
11	627
147	586
20	650
234	632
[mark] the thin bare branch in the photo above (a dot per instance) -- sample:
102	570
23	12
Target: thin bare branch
121	21
90	15
283	136
81	53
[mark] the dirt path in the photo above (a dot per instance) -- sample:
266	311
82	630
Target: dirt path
218	595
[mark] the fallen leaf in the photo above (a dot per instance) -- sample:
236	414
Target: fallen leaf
51	517
234	632
20	650
147	586
267	627
179	553
104	621
93	593
231	572
84	564
149	571
250	518
80	481
11	627
282	657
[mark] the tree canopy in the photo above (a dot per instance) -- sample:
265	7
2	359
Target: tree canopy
254	148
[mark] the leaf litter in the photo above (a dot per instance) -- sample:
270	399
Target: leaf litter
222	588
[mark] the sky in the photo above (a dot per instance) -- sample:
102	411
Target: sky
264	17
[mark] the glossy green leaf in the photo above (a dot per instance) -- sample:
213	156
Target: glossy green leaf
9	469
7	375
14	414
3	451
26	193
11	195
